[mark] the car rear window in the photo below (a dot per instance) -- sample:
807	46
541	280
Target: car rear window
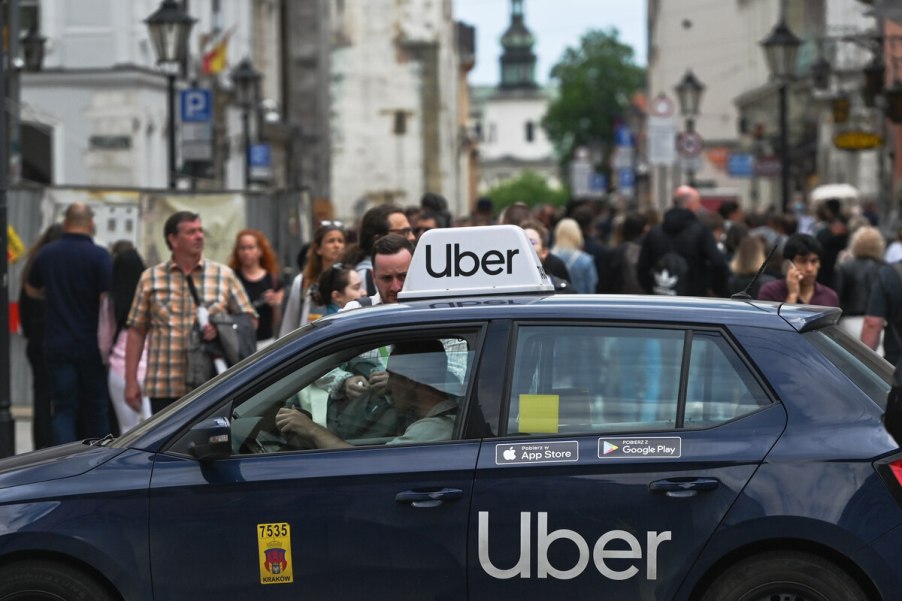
868	370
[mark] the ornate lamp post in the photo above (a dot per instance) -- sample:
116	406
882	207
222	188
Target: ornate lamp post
689	94
169	28
247	85
781	48
33	48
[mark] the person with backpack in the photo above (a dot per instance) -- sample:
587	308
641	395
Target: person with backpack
619	272
883	319
883	315
679	257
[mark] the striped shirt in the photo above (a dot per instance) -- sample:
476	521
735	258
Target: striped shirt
164	307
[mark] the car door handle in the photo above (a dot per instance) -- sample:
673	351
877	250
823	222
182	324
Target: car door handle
429	498
683	487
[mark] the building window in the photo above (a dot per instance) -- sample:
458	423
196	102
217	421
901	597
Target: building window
530	131
28	15
493	132
400	127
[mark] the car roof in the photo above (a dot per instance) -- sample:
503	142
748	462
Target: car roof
671	309
494	272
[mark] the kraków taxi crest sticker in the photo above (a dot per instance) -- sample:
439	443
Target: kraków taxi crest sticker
274	544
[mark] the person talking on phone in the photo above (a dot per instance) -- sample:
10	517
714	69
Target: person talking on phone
802	254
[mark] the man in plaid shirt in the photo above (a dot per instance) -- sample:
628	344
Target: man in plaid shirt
165	308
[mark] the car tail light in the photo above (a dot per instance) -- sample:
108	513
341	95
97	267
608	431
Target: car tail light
896	469
890	469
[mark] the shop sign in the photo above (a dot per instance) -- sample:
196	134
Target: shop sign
857	140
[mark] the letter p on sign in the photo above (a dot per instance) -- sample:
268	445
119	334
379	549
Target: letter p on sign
196	105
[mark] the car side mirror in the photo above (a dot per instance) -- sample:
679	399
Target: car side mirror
211	439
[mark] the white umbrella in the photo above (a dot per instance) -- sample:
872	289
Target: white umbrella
848	194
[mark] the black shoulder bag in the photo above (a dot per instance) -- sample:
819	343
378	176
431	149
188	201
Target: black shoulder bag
199	366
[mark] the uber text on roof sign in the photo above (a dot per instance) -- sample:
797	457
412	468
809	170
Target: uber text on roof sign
467	263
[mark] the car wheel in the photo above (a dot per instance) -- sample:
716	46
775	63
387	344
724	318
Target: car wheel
784	576
46	581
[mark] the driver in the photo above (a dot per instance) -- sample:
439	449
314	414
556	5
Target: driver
416	384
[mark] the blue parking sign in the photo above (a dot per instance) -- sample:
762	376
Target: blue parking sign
741	164
623	136
196	105
626	177
598	182
260	155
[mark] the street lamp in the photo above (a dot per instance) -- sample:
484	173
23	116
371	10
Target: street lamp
247	84
33	48
689	94
781	48
169	28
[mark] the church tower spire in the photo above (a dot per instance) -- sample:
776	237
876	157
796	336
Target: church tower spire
518	62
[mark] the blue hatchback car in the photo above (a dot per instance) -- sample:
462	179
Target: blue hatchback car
485	439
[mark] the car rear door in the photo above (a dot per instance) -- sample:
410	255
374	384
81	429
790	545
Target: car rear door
626	445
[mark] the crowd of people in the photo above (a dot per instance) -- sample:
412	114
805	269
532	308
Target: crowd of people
120	343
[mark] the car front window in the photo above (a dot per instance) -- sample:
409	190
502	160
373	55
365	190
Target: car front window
396	391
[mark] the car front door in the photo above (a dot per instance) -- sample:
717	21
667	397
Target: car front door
375	521
625	448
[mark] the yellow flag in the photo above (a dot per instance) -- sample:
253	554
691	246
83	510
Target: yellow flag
15	250
216	58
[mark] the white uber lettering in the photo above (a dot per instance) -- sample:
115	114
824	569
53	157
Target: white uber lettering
522	568
654	539
601	554
544	541
466	263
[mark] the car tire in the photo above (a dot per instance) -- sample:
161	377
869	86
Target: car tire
784	575
47	580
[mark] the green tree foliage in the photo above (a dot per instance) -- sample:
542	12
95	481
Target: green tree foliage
530	188
596	82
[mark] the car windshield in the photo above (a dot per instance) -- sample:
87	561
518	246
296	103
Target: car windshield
864	367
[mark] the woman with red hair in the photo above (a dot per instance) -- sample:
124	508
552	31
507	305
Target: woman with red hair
255	264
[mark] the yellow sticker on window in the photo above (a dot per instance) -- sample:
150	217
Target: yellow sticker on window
539	413
274	543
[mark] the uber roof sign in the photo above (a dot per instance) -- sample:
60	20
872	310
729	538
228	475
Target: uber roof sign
471	261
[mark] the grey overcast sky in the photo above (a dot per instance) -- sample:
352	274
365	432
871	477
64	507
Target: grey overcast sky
556	24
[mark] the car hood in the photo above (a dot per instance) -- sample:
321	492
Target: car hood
53	463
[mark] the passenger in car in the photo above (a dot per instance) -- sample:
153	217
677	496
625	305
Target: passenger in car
418	385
